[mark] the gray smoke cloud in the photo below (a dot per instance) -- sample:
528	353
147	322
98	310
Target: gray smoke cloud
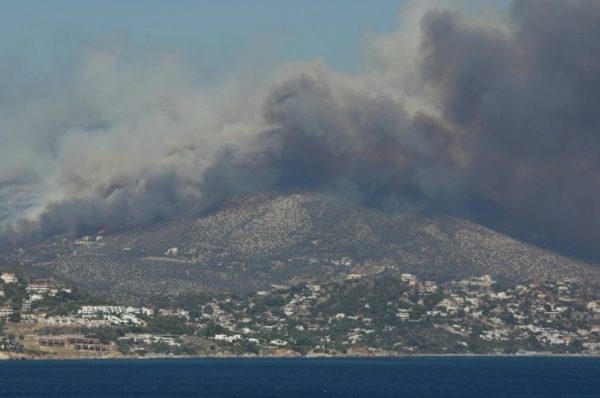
524	98
459	101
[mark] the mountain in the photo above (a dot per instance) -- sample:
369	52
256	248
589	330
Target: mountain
254	242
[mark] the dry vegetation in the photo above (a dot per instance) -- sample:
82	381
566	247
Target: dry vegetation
254	242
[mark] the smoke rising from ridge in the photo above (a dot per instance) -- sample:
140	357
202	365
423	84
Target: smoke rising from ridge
458	101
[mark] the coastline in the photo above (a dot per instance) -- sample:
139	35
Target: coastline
14	356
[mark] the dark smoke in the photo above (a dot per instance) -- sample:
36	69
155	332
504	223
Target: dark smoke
526	103
362	145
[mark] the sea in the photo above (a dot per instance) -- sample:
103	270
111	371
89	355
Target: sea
481	377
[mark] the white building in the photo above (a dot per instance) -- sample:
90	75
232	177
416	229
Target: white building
9	277
278	342
408	278
172	251
5	312
229	339
403	314
89	310
429	287
593	306
353	277
41	288
36	297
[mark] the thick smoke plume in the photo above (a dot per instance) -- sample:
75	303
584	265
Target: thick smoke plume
459	101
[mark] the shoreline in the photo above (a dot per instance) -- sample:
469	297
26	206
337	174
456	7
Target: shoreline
10	356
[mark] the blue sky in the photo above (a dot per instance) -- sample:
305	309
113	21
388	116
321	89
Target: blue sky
41	38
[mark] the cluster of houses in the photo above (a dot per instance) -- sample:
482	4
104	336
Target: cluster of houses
86	315
139	341
77	342
544	314
552	314
7	278
92	317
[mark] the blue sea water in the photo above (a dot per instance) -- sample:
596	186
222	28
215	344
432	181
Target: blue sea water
462	377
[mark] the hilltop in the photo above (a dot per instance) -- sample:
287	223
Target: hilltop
256	242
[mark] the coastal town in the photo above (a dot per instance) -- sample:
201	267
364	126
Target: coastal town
357	316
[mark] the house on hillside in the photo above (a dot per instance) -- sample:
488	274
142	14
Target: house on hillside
9	277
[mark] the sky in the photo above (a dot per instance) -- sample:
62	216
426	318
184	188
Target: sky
46	36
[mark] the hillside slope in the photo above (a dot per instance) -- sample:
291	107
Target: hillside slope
256	241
